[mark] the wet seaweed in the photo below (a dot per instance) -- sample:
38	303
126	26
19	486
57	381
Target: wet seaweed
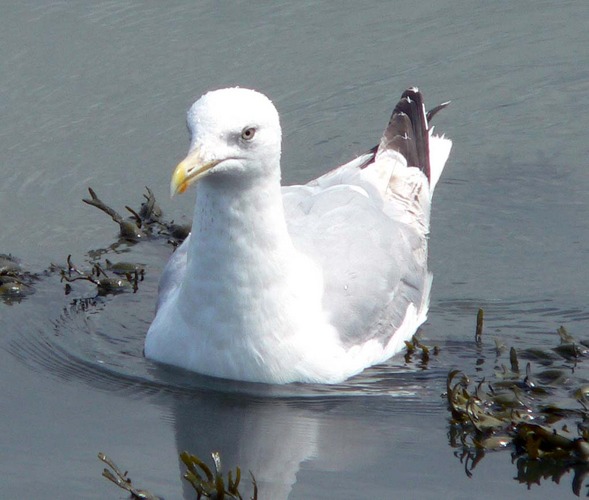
16	282
130	229
207	483
478	336
123	481
126	277
541	414
147	222
417	351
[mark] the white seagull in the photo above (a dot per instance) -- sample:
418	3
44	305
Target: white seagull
308	283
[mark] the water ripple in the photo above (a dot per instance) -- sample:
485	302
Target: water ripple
99	341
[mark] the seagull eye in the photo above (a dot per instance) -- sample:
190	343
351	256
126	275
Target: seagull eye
248	133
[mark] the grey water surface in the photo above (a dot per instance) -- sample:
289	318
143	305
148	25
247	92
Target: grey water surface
94	94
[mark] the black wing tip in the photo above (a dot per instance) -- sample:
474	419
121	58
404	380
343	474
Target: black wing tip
434	111
408	129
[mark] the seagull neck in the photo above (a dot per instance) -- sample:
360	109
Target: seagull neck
239	226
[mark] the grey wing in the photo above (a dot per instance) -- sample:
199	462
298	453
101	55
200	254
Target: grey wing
373	266
173	273
366	223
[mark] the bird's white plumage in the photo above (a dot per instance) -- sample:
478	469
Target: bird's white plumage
307	283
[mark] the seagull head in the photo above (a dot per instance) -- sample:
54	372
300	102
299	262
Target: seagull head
235	134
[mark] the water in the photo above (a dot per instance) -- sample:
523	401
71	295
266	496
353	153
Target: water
95	95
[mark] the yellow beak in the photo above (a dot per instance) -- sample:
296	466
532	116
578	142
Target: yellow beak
190	170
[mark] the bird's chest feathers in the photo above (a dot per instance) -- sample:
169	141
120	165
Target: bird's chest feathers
241	240
244	275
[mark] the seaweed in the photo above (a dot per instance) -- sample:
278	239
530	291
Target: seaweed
146	223
126	278
416	348
516	409
16	282
206	483
122	480
212	485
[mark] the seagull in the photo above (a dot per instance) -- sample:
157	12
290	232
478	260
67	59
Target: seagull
308	283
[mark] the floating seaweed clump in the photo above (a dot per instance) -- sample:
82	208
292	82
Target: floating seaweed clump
15	281
542	417
122	480
125	276
206	483
415	348
145	223
212	485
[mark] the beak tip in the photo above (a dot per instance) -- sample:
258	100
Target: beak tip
188	171
176	188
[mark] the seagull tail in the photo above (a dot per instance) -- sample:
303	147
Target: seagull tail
408	132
